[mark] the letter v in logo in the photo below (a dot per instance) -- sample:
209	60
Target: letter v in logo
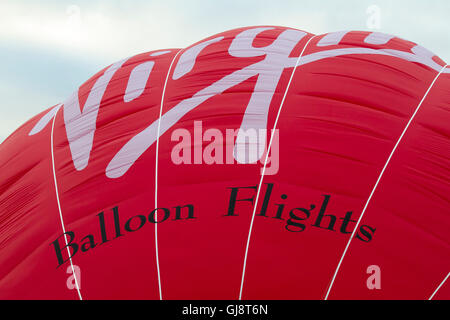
81	125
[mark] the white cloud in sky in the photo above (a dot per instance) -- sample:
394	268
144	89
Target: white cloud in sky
105	31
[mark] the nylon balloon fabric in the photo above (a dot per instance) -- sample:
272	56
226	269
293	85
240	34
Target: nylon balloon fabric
260	163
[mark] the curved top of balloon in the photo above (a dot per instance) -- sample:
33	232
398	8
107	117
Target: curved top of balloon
260	163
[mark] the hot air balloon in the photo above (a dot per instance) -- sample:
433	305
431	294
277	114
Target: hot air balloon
259	163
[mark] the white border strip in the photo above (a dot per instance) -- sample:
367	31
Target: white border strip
156	173
59	204
378	181
437	289
265	164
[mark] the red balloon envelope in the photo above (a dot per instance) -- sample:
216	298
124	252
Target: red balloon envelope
259	163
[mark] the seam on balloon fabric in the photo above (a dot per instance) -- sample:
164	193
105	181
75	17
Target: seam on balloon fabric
156	172
59	203
440	285
378	181
264	167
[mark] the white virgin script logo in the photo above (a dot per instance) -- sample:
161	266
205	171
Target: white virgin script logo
81	125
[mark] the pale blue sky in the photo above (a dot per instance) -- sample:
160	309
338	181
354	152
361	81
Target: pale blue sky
50	47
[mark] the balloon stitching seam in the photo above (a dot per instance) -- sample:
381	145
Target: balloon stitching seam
265	164
59	203
379	178
156	173
440	285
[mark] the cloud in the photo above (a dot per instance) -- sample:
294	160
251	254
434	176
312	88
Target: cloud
20	106
111	30
103	30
